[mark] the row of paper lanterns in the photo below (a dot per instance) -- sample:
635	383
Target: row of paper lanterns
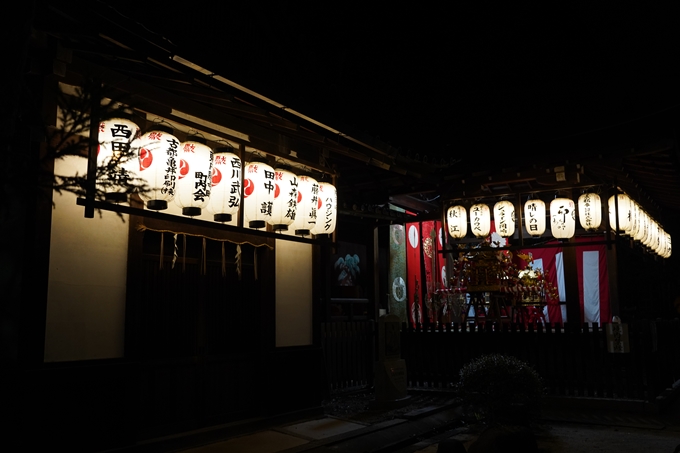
632	220
195	177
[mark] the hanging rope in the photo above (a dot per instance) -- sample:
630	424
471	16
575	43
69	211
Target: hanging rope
214	238
238	261
255	263
174	254
160	254
184	253
204	265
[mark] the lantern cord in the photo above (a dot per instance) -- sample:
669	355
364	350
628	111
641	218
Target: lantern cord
160	254
203	258
255	262
238	260
174	253
184	253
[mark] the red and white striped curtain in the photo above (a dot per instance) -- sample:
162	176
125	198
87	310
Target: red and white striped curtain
593	281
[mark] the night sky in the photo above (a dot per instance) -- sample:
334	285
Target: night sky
441	80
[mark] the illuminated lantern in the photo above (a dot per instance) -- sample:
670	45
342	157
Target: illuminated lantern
115	157
562	218
661	242
504	218
667	248
157	166
194	176
258	194
643	221
480	220
534	217
327	212
307	205
285	199
590	211
456	220
652	234
624	215
634	219
225	193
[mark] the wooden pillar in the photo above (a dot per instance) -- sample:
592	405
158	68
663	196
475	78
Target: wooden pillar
571	280
571	285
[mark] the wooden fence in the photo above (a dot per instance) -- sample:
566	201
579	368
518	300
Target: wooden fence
349	354
572	360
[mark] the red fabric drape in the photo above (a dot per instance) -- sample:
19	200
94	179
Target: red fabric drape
547	257
414	283
593	281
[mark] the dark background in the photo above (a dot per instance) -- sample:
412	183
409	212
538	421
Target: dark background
442	80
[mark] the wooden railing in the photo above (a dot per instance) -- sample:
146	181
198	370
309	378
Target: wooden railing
572	360
349	353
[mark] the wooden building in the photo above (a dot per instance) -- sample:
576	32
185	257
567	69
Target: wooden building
123	324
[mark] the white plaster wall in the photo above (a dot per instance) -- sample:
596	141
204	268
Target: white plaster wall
293	293
86	292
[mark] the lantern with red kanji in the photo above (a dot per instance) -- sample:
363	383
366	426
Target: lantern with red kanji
307	205
194	178
158	158
285	199
327	209
258	194
225	194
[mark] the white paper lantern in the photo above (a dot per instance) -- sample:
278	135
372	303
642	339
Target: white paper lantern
624	214
285	199
456	221
660	242
668	248
194	178
635	211
116	157
504	218
480	220
327	212
225	194
158	166
590	211
258	194
307	205
642	221
562	218
534	217
652	235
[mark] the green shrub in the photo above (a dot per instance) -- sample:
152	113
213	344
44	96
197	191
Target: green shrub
500	389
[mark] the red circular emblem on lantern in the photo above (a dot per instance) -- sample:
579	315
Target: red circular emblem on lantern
183	168
277	191
248	187
299	200
216	176
145	159
319	203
